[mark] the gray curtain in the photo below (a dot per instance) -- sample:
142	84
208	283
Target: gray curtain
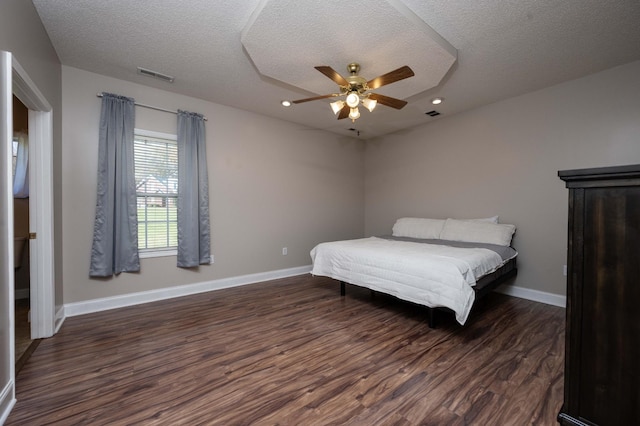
115	231
194	239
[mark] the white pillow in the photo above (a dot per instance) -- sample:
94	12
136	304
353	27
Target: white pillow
418	227
492	219
477	232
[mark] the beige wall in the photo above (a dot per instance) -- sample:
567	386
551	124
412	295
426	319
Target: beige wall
502	159
273	184
22	34
20	117
21	229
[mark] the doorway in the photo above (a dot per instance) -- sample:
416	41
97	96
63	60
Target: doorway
44	321
24	344
15	81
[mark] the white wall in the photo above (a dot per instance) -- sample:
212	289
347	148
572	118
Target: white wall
503	159
273	184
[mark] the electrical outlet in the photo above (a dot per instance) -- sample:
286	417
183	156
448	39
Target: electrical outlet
284	251
211	258
564	270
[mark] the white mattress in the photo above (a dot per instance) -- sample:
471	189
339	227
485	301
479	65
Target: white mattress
427	274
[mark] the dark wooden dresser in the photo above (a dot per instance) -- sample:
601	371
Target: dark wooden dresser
602	352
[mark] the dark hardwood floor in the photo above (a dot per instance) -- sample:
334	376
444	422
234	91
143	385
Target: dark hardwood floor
24	346
22	326
292	351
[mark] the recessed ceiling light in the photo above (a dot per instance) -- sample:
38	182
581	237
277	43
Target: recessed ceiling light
437	101
286	103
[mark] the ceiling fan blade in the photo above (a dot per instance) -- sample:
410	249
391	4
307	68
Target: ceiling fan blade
315	98
344	112
388	101
333	75
391	77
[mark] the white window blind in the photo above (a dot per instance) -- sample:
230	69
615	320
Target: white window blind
156	170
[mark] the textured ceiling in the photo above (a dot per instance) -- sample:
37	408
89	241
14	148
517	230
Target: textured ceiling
271	44
504	49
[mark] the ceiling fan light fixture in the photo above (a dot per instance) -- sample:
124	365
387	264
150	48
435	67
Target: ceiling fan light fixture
369	104
354	114
355	90
353	100
337	106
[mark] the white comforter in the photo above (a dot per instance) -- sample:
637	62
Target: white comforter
428	274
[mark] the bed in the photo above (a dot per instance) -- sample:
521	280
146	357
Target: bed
441	264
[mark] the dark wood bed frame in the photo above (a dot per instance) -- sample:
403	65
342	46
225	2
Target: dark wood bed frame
484	286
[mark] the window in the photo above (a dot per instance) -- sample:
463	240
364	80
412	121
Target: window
14	153
156	170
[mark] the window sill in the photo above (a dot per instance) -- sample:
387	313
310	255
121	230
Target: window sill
157	253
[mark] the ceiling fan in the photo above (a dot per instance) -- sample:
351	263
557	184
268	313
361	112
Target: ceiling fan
357	90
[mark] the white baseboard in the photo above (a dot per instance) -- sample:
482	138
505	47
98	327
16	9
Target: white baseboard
60	316
103	304
21	293
7	401
534	295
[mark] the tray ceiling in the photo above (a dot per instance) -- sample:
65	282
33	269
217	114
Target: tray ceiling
252	54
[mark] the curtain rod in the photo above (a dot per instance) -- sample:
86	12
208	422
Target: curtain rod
152	107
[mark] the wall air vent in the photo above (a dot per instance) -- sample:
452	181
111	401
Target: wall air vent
432	113
154	74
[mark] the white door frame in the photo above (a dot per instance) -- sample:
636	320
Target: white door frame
7	319
42	273
14	80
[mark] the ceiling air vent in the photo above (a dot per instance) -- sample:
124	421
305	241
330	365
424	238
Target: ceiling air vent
432	113
154	74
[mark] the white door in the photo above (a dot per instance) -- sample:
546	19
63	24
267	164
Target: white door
7	346
44	321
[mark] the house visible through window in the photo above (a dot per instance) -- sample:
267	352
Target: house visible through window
156	169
